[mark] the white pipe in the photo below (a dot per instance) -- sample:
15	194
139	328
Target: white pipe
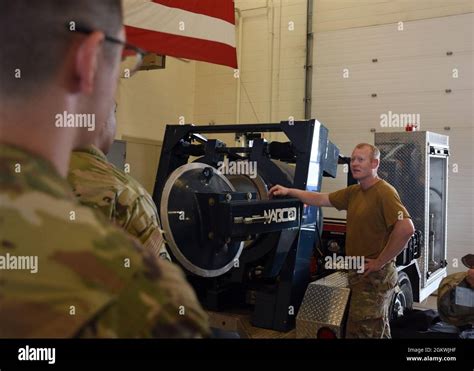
239	56
279	57
239	64
272	46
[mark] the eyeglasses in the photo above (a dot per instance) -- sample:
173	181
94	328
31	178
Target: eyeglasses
132	56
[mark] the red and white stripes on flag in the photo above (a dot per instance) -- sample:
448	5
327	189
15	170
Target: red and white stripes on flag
202	30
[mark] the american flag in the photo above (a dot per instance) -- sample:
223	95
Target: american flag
202	30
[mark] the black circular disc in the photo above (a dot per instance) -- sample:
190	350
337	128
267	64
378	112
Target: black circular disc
183	224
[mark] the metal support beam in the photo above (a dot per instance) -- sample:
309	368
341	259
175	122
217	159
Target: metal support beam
309	61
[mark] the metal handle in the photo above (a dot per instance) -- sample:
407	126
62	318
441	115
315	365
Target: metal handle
254	219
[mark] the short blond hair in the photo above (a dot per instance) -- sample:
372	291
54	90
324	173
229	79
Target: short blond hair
374	151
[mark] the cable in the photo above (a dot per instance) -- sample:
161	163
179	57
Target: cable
319	239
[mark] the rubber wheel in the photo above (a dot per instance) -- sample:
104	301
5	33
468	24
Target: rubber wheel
403	300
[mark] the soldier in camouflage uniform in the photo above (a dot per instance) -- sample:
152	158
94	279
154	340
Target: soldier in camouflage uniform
378	229
449	311
92	279
101	185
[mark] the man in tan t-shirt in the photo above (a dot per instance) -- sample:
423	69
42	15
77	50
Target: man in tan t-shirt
378	229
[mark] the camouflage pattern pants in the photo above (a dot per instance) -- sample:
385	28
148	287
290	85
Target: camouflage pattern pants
370	302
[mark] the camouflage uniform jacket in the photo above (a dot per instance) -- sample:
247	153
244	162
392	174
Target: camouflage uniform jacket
91	279
99	184
449	311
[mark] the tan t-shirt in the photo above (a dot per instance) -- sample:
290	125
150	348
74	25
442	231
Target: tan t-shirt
371	215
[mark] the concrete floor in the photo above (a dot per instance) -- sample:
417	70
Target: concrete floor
428	303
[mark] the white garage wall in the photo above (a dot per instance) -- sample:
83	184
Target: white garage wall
146	103
271	48
151	99
411	76
342	14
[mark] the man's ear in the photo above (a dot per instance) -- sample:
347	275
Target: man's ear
86	61
375	163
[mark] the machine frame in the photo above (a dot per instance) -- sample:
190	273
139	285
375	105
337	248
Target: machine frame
285	255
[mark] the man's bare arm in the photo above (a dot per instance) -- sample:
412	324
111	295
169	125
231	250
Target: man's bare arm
309	198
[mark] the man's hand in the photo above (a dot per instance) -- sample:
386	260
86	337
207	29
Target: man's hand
372	265
470	278
278	190
306	197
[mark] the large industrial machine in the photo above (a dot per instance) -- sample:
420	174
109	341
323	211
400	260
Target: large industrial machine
237	246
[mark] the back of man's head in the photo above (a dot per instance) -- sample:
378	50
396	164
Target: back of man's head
34	39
